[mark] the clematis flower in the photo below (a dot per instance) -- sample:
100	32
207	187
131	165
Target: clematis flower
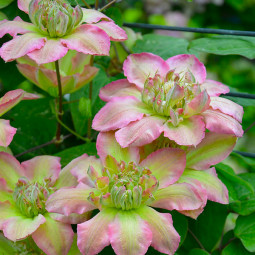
24	189
171	97
125	189
74	68
57	27
8	101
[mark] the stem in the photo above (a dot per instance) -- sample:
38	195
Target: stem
108	5
87	5
248	128
125	48
90	97
60	102
199	243
96	4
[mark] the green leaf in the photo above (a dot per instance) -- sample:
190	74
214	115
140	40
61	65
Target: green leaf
4	3
164	46
245	230
198	252
242	101
226	45
180	224
247	160
115	14
235	248
80	2
71	153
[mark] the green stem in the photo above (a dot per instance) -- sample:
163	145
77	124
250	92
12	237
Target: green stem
197	240
89	132
86	4
60	102
96	4
108	5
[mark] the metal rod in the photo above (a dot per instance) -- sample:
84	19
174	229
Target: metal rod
191	29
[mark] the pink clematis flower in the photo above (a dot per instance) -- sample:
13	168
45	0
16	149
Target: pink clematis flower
24	189
125	189
57	27
171	97
8	101
75	71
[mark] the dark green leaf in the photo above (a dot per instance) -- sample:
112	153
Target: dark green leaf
115	14
242	101
235	248
198	252
247	160
180	224
164	46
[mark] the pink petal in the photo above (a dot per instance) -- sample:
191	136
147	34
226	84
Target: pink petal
10	169
52	50
21	45
17	26
188	63
197	105
214	88
93	234
30	96
53	237
216	190
180	197
119	88
140	132
165	238
117	113
20	227
139	67
5	192
189	132
93	16
221	123
42	167
70	200
24	5
213	149
73	218
88	39
228	107
7	210
114	32
107	145
129	234
6	132
166	164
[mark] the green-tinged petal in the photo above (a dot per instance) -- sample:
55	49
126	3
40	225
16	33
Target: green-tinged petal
53	237
107	145
70	200
6	132
216	190
129	234
164	237
74	248
10	169
213	149
73	218
5	193
7	210
93	234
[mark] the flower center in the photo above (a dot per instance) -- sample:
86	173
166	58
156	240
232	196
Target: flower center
169	96
55	18
124	186
30	198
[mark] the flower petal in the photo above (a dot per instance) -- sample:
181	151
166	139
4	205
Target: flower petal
117	113
165	238
166	164
216	190
42	167
10	169
213	149
188	63
52	50
53	237
6	132
7	210
114	32
107	145
21	45
88	39
214	88
29	72
119	88
73	218
24	5
190	131
5	192
228	107
92	16
139	67
70	200
140	132
129	234
93	234
20	227
180	197
221	123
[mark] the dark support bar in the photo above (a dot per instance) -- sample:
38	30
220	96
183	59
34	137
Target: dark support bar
243	95
191	29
